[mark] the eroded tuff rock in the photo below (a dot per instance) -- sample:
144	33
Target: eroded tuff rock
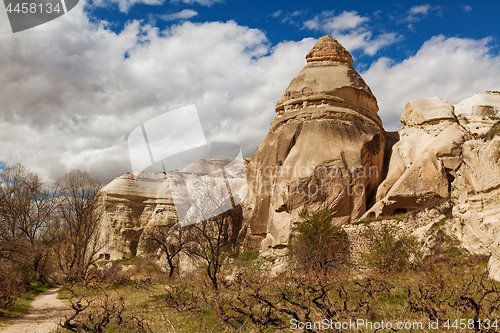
440	155
476	196
479	112
135	202
324	150
422	161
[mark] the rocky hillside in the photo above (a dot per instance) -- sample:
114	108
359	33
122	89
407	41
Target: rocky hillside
327	150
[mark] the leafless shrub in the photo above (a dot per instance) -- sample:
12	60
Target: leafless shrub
102	309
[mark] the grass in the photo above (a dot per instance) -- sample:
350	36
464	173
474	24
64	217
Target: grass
23	301
388	297
495	130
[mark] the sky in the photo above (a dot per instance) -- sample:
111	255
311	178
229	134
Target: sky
74	89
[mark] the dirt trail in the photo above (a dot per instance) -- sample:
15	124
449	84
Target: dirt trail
44	314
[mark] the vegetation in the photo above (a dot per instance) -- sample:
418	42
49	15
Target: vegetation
50	234
319	246
495	130
45	227
390	253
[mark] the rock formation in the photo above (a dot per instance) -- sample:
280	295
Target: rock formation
423	160
134	202
443	152
324	150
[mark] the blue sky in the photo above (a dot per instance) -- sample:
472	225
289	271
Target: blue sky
73	89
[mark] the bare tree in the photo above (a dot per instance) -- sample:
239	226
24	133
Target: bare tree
80	211
27	224
209	239
170	239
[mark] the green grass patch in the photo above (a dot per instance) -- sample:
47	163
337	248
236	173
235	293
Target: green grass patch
22	302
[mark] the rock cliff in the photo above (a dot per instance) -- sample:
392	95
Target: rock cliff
324	150
134	202
453	152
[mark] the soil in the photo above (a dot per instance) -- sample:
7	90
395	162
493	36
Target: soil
43	316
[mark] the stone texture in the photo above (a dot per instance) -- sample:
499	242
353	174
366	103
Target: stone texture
476	197
324	150
437	157
134	202
479	112
424	110
429	145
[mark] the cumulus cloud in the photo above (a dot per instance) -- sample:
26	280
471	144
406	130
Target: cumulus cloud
125	5
182	15
352	31
450	68
72	90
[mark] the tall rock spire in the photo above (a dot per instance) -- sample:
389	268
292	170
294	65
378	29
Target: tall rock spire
329	82
324	150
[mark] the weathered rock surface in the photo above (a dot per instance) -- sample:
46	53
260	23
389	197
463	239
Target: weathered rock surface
438	156
479	112
134	202
421	162
476	197
324	150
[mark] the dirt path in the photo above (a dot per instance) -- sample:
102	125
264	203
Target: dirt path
44	314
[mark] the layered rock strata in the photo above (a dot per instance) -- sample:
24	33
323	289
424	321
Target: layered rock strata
324	150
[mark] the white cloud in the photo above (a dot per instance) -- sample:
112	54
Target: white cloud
418	12
125	5
466	8
206	3
71	96
182	15
420	9
277	13
450	68
352	31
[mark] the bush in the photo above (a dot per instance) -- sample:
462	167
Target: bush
319	246
494	130
390	253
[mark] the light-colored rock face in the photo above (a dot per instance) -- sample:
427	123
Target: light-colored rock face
135	202
421	161
476	197
426	110
324	150
437	157
479	112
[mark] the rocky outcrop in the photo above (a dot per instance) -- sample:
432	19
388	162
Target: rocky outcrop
423	160
135	202
324	150
476	197
478	113
443	152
